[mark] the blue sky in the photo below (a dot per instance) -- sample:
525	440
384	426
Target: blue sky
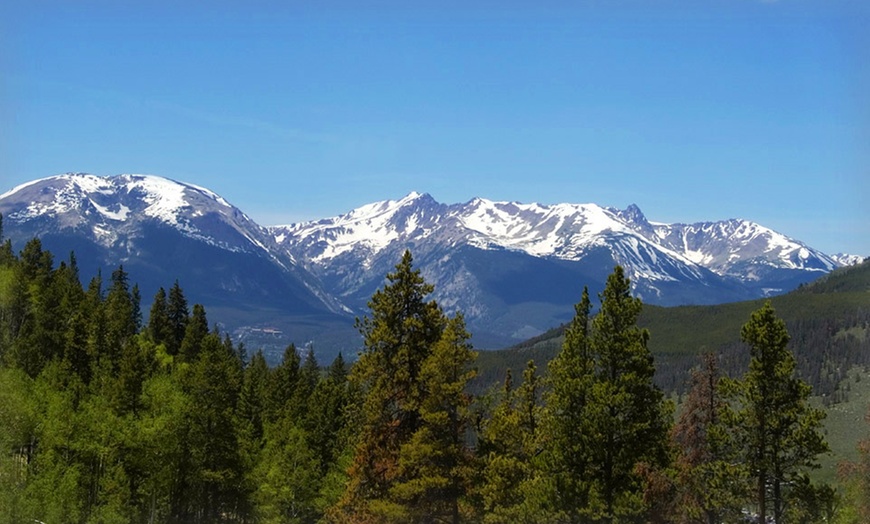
694	110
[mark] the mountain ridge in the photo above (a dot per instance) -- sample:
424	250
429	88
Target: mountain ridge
514	269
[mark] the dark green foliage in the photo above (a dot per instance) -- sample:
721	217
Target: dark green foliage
777	429
436	464
178	318
213	384
568	446
829	322
159	328
397	338
194	335
626	411
283	381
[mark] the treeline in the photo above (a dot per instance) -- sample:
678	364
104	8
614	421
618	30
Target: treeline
105	419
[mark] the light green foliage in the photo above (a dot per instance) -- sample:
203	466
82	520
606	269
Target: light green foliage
103	422
18	423
287	477
161	447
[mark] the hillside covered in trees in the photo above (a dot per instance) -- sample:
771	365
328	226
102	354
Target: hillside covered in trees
828	320
104	418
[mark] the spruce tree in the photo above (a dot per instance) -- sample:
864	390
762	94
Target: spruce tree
780	431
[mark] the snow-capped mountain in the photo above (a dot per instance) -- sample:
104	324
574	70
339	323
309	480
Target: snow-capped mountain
843	260
112	208
513	269
162	230
511	265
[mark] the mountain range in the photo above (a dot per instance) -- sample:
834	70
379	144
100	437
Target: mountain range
513	269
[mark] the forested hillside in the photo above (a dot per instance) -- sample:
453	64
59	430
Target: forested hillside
104	418
829	323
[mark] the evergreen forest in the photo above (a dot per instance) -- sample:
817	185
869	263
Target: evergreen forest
105	418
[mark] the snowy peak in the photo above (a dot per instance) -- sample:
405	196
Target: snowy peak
843	260
114	207
729	246
669	252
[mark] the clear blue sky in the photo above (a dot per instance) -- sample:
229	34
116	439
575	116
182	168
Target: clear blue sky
694	110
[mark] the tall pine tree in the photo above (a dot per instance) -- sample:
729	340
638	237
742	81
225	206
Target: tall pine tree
568	446
436	463
779	430
628	419
397	337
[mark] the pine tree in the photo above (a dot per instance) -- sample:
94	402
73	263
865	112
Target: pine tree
178	318
780	431
325	416
512	488
121	312
214	484
283	381
568	451
196	330
397	337
627	416
38	335
309	374
159	328
435	465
